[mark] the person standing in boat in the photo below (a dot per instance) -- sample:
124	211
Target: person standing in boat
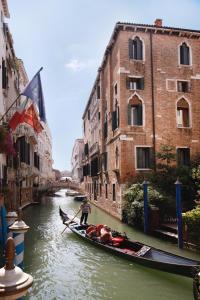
86	209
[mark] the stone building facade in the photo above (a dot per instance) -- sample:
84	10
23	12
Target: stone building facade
30	167
148	96
76	160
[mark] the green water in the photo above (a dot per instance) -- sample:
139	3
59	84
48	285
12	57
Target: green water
65	267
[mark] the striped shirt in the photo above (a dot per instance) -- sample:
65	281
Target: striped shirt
85	207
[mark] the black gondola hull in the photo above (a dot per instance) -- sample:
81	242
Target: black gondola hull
154	258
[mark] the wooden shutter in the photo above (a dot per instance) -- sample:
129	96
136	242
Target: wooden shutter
114	120
139	49
129	114
141	83
130	48
139	115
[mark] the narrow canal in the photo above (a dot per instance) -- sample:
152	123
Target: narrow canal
65	267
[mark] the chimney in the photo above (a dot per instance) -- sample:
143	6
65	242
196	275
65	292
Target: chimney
158	22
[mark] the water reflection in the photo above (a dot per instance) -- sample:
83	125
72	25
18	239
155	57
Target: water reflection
65	267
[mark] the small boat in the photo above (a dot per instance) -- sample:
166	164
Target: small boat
136	251
71	193
80	197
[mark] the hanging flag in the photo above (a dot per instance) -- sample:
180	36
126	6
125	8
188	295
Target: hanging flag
18	116
35	93
31	118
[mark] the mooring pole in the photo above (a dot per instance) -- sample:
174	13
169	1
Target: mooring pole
146	209
179	213
19	228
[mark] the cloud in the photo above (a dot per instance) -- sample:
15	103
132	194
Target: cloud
76	65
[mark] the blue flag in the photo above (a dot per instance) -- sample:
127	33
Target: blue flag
35	93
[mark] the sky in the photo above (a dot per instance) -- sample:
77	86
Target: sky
68	38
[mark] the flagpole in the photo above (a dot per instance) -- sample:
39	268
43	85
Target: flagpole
17	98
10	107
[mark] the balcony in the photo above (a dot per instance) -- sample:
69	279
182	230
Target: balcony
94	149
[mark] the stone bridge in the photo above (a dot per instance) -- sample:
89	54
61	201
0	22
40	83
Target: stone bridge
58	185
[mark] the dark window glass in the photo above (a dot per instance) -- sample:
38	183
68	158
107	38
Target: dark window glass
113	192
183	156
137	49
183	86
136	117
134	83
144	157
184	54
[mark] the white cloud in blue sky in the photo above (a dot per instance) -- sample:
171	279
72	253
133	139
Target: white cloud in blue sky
76	65
68	38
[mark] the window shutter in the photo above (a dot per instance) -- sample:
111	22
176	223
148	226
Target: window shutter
128	83
130	48
141	83
129	114
139	49
139	115
114	120
117	116
187	157
4	75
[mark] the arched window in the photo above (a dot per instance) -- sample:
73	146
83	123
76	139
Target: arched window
184	54
135	112
136	48
182	111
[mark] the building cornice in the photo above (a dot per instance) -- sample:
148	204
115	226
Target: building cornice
5	8
123	26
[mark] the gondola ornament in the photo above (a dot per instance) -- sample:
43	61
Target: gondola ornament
14	283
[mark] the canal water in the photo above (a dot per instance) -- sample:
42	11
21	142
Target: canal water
66	267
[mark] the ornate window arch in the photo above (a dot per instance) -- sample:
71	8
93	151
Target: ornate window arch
136	48
183	113
135	111
185	54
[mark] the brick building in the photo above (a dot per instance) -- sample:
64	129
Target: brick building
146	94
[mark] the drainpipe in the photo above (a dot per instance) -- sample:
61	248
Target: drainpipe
153	103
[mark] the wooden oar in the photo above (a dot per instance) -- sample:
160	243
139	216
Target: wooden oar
70	221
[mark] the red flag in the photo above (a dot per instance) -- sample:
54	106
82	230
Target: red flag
31	118
18	116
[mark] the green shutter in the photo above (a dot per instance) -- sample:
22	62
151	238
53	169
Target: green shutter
129	114
130	48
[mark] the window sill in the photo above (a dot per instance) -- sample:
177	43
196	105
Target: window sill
182	127
185	66
143	169
137	60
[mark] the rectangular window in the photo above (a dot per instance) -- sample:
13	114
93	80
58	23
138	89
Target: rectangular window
106	188
115	89
143	157
98	92
183	156
135	83
113	192
183	86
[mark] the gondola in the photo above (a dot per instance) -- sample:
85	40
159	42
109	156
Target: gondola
80	198
136	251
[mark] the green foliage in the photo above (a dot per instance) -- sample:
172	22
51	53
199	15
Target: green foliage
133	204
192	220
166	155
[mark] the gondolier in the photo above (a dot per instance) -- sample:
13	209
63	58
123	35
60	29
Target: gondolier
86	209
